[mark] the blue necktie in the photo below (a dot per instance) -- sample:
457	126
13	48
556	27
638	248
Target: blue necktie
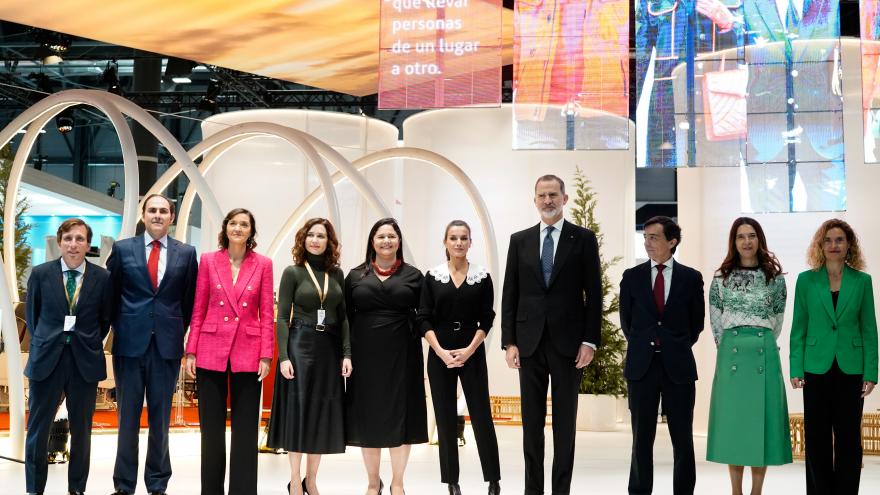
547	256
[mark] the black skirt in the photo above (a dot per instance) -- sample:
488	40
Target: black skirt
307	411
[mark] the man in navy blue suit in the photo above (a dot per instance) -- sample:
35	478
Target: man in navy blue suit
68	315
154	282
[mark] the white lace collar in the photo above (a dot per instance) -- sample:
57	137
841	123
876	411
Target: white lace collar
476	273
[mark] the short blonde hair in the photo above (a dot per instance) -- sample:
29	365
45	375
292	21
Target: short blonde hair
816	256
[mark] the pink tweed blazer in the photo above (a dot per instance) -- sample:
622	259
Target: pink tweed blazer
232	323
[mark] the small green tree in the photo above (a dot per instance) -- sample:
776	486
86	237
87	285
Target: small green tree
22	248
604	376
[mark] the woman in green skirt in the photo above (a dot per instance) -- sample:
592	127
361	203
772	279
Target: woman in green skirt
748	416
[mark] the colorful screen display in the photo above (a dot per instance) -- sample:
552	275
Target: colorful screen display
439	53
870	16
571	74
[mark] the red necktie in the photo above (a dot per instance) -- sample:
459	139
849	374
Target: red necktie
153	264
659	289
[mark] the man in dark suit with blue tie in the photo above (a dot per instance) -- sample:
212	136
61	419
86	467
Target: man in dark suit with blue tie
551	310
68	315
661	314
154	281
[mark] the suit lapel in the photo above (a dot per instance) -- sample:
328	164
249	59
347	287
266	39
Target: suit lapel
532	251
223	269
847	287
248	267
566	241
61	293
88	284
139	252
821	281
647	289
676	284
170	259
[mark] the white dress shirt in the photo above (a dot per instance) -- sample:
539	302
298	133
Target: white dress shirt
79	278
557	231
163	253
667	276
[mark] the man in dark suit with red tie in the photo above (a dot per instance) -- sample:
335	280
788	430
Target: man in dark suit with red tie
154	283
551	312
661	314
68	315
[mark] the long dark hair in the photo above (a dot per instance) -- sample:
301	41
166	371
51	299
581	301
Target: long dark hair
331	252
767	261
370	256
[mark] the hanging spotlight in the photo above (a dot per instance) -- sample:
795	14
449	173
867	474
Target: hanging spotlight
52	46
110	77
65	121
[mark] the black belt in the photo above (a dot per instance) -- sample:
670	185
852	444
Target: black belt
458	325
330	328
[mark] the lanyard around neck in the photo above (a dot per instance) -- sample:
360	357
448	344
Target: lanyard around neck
71	302
322	295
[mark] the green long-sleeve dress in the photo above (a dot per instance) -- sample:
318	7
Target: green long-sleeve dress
307	411
748	415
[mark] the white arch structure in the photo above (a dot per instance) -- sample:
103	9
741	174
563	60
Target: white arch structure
115	107
34	118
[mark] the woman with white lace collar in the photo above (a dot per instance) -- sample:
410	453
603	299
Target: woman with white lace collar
455	314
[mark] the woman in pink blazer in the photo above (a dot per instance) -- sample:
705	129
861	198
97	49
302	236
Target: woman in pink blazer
231	341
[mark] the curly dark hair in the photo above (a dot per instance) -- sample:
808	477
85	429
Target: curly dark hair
854	257
767	261
331	260
223	238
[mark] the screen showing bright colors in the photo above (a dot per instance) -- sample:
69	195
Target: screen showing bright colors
571	74
870	16
439	53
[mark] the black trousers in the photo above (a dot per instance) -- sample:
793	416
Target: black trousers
543	366
475	385
832	431
244	391
678	400
45	398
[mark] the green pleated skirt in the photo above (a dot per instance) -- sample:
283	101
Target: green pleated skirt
748	415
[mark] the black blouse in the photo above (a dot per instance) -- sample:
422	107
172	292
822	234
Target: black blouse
453	313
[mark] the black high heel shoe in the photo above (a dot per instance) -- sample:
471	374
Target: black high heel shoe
494	488
305	490
454	489
381	486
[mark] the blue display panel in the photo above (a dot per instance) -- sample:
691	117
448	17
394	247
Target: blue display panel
870	29
47	225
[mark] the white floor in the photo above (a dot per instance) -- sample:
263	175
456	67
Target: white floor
601	467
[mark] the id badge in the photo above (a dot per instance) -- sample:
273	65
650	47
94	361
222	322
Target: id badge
321	315
69	322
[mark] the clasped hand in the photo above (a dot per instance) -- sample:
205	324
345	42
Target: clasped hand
455	358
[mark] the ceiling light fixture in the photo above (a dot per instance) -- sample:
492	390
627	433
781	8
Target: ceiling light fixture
209	102
110	77
64	121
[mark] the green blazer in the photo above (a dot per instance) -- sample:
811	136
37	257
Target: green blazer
819	333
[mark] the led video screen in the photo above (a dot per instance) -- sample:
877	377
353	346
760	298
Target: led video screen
870	29
571	74
440	53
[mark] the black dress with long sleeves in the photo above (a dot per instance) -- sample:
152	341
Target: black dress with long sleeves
385	395
455	314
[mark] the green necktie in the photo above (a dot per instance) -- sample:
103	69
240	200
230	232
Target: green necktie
71	289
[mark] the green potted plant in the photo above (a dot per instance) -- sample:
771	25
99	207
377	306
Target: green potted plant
602	382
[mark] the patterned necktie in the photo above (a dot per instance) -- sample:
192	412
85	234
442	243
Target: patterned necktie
659	290
153	264
547	256
71	289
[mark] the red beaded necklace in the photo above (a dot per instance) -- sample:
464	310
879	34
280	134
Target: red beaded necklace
390	271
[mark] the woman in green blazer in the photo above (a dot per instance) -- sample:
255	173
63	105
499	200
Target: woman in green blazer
834	356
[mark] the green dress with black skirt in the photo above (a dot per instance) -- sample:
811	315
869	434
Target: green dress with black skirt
748	415
307	411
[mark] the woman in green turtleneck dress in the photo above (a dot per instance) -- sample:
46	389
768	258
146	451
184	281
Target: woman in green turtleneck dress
314	355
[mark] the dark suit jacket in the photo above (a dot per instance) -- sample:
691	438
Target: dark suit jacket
140	311
46	309
570	308
678	329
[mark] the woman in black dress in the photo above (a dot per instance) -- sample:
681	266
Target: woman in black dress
314	355
385	399
455	315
